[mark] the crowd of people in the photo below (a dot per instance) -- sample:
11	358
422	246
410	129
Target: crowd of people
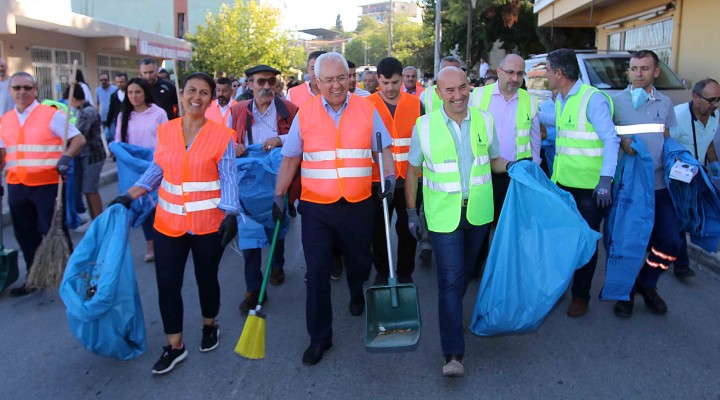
446	150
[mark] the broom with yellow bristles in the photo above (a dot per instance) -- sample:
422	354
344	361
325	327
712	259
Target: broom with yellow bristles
252	340
52	255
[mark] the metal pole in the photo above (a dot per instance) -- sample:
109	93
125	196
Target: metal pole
390	28
438	33
468	51
366	54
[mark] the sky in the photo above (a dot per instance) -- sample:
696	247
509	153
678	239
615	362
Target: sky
305	14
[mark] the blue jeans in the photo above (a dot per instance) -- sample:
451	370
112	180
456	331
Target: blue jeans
455	255
253	258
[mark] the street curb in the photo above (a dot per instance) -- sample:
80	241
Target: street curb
704	260
106	177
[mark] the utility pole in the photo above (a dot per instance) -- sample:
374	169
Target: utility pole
438	33
468	52
366	54
390	28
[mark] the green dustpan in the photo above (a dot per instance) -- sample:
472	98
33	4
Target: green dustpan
392	312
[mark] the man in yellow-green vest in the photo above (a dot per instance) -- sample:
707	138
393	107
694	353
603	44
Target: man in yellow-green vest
455	148
587	152
429	97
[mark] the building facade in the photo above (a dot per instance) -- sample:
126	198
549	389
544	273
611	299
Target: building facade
684	33
380	10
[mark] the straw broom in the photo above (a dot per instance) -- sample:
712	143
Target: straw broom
252	340
54	251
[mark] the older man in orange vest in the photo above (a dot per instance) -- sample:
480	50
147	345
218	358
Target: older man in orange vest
219	109
32	151
333	142
399	111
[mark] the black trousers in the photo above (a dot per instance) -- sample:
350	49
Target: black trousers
323	225
593	215
31	211
171	255
406	242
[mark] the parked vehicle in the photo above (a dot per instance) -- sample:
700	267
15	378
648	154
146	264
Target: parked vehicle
605	71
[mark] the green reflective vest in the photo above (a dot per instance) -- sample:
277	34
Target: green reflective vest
60	106
579	156
442	185
526	110
434	102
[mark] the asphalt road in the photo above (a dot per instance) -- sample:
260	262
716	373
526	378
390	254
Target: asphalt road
595	357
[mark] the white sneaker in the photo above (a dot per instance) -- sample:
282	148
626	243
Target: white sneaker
84	217
84	227
453	369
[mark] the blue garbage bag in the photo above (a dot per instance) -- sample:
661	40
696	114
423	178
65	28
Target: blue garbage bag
132	161
630	223
100	291
697	204
540	240
257	174
72	219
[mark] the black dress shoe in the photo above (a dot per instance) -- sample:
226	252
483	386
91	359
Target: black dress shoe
21	291
683	271
357	307
292	210
277	276
313	354
624	309
653	301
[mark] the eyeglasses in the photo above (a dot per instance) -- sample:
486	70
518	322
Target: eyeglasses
27	88
519	74
710	100
263	81
339	79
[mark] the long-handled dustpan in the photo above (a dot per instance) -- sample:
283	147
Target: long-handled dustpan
252	340
8	257
392	314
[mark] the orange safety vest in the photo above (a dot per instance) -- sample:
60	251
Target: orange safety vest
337	161
31	150
214	114
300	94
418	89
400	128
190	189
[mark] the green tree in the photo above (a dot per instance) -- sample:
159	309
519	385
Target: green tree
240	37
412	42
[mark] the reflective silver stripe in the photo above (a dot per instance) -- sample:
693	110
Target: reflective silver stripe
401	157
35	148
488	126
170	207
401	142
201	186
356	172
424	133
318	173
442	168
354	153
50	162
319	156
523	132
533	105
171	188
480	180
639	128
581	135
202	205
582	118
481	160
523	148
573	151
447	187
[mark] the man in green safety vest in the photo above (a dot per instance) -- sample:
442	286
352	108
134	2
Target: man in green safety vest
456	148
587	152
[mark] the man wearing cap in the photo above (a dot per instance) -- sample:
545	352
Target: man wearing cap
265	119
219	109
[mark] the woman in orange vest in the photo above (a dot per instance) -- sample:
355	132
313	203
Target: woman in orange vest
197	209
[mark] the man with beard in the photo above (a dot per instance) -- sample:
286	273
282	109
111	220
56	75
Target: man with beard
265	119
163	91
218	110
399	111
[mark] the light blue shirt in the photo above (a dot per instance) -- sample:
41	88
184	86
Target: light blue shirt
293	146
547	118
599	115
461	137
229	195
102	97
704	134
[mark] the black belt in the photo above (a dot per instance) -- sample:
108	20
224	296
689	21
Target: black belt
464	202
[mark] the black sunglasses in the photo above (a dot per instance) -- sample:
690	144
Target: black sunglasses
27	88
710	100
